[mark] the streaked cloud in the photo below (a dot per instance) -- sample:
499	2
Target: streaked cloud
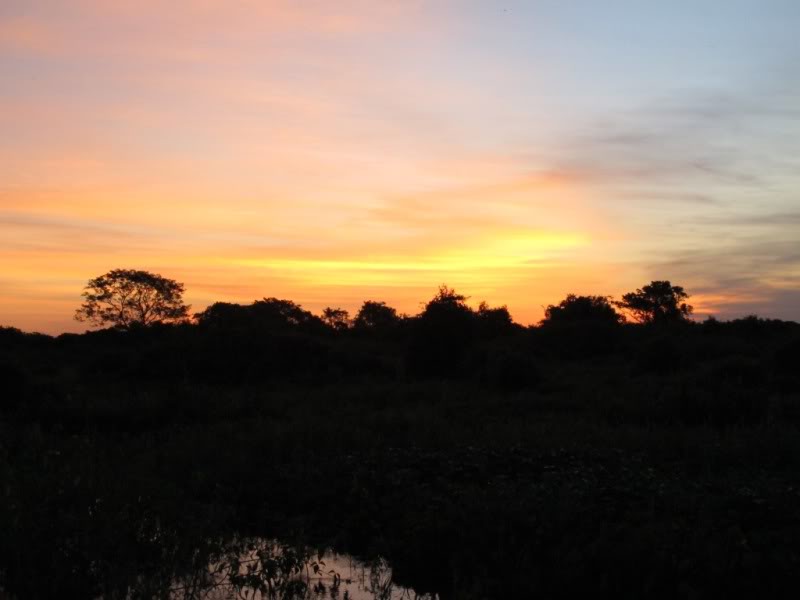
332	152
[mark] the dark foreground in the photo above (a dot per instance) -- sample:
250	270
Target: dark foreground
648	464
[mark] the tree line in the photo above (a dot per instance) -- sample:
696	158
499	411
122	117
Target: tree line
125	298
149	336
148	333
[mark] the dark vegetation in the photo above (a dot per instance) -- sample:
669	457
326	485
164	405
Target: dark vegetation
583	456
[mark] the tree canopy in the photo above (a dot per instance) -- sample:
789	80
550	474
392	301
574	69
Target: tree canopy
582	309
336	318
126	297
657	302
262	315
376	316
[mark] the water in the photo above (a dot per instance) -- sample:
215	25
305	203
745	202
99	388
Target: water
262	569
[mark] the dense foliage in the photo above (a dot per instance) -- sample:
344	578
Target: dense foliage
657	302
126	298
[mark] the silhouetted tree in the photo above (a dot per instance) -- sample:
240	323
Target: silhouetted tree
221	315
447	299
336	318
375	316
269	314
657	302
579	327
9	334
442	334
582	309
711	324
753	327
286	311
493	322
126	297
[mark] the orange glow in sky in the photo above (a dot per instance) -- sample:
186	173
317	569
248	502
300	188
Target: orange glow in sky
333	152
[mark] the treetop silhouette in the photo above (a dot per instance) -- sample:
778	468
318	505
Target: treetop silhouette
125	298
336	318
265	314
657	302
376	316
582	309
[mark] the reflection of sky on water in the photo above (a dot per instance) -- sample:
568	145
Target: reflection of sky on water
338	577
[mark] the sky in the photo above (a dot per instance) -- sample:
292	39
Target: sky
335	152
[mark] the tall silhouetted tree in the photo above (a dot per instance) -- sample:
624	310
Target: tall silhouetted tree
582	309
336	318
126	297
376	316
443	333
494	322
657	302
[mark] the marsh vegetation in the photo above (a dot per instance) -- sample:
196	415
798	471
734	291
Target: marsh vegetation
478	458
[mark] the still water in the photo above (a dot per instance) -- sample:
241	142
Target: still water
262	569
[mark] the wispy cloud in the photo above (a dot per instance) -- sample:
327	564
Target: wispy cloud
331	151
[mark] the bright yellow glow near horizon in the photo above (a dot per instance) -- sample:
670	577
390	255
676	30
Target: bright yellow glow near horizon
513	251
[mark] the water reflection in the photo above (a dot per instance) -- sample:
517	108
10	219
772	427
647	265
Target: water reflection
259	569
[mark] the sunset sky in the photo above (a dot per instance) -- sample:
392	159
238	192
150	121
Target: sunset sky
330	152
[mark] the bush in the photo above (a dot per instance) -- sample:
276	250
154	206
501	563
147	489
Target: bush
15	385
510	370
786	360
662	355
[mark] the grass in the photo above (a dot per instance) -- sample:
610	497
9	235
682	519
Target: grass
601	475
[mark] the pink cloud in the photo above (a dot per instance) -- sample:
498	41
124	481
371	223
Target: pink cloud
29	35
